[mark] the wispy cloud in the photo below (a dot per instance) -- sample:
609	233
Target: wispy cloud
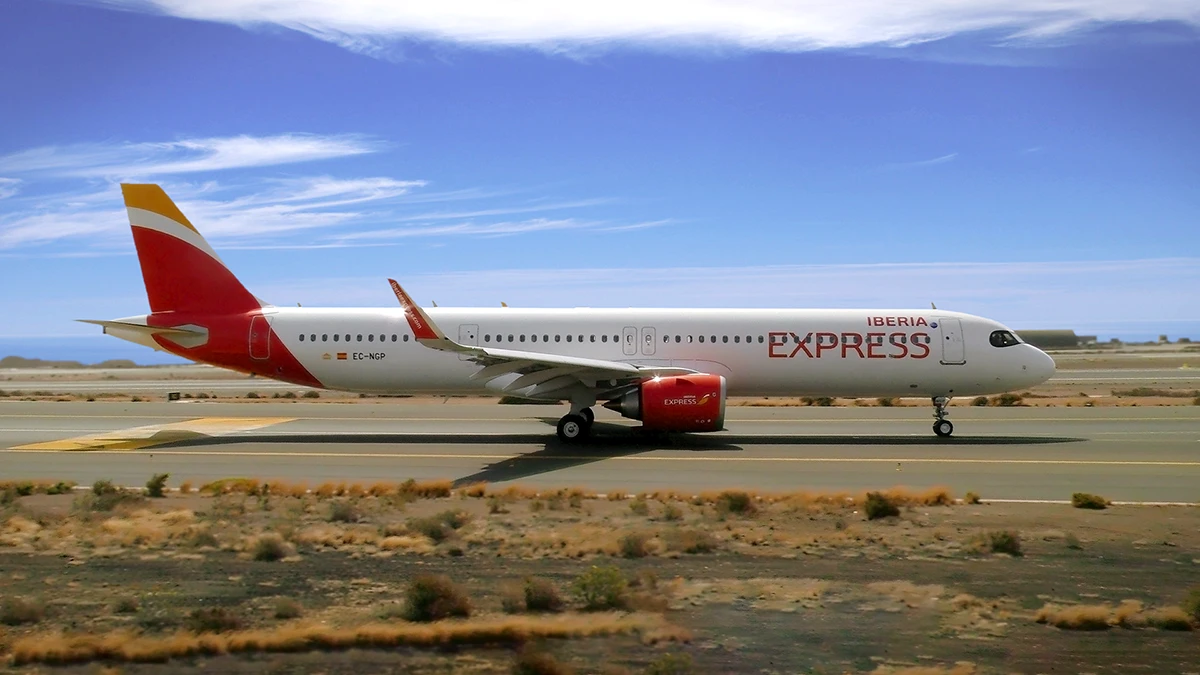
921	163
371	26
131	160
258	213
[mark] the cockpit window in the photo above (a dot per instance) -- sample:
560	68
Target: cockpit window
1003	338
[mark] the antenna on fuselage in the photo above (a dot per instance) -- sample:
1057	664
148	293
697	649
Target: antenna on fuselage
434	302
933	305
503	303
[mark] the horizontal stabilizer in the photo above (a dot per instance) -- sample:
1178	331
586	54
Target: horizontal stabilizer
144	329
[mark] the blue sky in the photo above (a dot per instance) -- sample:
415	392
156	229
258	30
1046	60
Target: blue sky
1038	167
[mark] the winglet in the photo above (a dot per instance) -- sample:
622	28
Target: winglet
422	327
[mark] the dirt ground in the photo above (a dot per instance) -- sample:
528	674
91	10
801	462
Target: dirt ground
712	583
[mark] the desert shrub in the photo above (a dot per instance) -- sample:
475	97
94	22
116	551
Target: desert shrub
824	401
1007	400
690	541
879	505
289	394
1196	401
1084	500
16	610
287	608
496	505
672	513
439	527
213	620
125	605
541	595
635	545
600	588
533	661
427	490
671	664
971	498
269	548
105	497
433	597
1191	603
737	502
312	394
1168	618
60	488
639	506
253	394
979	401
344	511
1001	541
1078	617
885	402
156	485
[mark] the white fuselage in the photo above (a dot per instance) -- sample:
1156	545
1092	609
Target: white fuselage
761	352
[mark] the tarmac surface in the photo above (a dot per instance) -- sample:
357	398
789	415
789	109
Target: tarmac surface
1147	454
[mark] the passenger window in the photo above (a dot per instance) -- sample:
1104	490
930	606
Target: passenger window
370	338
604	338
522	338
666	338
510	337
593	338
568	338
487	337
760	339
360	338
545	338
336	337
302	337
713	339
393	337
558	338
533	338
689	339
737	339
312	338
616	338
748	339
701	338
347	337
325	337
724	338
406	337
678	339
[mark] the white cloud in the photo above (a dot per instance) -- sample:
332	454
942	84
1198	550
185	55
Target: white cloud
8	187
331	212
369	26
130	160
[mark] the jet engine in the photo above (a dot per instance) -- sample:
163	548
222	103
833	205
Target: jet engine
680	403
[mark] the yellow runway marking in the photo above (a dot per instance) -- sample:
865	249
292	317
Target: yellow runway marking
137	438
645	458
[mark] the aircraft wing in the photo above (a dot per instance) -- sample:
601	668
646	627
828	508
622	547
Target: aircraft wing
537	374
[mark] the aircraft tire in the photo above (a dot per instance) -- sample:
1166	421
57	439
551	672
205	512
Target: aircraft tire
572	428
943	428
588	416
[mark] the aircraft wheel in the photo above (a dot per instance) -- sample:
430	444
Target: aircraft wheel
588	416
943	428
572	428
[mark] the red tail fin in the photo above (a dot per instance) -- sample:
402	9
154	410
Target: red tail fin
181	271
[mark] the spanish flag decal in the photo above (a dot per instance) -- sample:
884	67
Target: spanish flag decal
341	356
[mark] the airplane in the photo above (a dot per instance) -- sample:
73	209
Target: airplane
672	369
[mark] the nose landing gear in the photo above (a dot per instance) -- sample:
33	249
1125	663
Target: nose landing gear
942	427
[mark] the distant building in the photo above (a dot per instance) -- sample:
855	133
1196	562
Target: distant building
1052	339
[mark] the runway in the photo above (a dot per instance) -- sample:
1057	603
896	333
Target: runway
1125	454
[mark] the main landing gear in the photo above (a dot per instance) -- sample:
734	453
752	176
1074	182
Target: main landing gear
942	427
576	426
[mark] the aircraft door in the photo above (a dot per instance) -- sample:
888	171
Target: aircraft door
629	340
260	338
468	334
648	340
953	348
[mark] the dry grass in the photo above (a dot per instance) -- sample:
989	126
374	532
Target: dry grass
129	647
1129	614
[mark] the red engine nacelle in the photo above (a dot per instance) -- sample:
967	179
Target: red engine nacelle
681	403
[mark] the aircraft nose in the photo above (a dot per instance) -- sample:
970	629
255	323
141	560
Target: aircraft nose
1041	366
